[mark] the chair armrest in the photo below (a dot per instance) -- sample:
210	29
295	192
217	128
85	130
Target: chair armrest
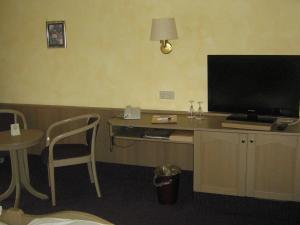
70	133
68	120
56	139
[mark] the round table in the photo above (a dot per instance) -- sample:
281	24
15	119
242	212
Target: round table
16	146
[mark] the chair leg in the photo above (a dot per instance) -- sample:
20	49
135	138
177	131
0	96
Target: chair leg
48	169
52	184
96	178
89	164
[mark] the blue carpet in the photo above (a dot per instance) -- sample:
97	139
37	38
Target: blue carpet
129	198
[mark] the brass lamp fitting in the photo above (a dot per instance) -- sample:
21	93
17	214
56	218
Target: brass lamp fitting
165	47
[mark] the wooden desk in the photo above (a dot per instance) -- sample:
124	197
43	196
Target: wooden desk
253	163
144	124
16	145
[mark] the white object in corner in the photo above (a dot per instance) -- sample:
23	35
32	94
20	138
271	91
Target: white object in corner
15	129
132	113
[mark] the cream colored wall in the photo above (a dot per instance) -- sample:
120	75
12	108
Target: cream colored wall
110	61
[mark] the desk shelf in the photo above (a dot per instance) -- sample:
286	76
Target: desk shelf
140	134
151	139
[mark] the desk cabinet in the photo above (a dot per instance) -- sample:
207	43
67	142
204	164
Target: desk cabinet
273	166
219	162
254	164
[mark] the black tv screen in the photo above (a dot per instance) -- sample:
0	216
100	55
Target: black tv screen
260	84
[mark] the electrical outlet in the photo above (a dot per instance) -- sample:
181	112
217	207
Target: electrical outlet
167	95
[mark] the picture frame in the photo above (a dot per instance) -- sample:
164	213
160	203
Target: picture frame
56	34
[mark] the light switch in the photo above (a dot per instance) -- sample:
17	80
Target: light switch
167	95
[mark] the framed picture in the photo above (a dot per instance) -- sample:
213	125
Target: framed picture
56	34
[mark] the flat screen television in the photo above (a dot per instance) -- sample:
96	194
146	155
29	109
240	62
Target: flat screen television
254	87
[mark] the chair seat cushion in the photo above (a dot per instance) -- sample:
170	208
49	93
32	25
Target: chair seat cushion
65	151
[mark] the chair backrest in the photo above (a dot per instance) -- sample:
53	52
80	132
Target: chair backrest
90	128
10	116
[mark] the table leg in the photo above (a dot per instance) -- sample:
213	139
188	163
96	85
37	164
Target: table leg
15	171
24	178
26	169
20	176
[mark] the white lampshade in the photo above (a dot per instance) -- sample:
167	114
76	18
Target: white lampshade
163	29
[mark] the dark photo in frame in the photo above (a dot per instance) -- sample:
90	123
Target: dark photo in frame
56	34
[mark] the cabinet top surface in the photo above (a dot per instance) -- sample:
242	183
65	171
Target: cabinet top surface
209	123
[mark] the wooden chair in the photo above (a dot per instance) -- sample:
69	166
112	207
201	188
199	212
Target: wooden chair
57	154
8	117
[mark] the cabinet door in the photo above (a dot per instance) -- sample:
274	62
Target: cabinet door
272	162
220	162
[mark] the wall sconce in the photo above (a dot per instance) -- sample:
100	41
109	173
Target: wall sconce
163	30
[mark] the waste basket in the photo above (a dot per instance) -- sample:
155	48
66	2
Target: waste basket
166	181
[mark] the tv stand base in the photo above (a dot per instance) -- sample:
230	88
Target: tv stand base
252	118
247	125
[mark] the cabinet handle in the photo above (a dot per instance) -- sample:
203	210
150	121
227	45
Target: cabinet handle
251	141
243	141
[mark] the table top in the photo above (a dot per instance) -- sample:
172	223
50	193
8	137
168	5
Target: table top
26	139
209	123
